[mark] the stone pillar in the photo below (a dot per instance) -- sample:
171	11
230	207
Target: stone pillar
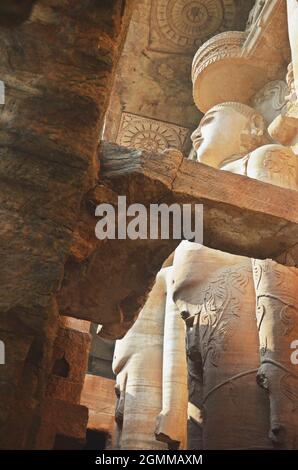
98	396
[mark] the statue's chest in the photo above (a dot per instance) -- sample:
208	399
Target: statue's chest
226	313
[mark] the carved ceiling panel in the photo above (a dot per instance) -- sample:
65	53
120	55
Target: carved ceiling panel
153	80
150	134
181	26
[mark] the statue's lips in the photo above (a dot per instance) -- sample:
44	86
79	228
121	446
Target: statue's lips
197	142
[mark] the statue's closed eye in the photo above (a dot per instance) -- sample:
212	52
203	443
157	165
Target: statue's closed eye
206	120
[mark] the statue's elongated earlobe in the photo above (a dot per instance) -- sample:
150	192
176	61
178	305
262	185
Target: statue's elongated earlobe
258	125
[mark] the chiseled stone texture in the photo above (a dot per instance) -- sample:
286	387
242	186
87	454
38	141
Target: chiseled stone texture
69	363
62	416
216	289
150	134
235	65
237	309
293	31
64	420
240	314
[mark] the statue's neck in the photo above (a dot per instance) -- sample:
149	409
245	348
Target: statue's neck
236	164
231	159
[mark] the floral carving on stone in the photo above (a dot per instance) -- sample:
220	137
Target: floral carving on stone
184	25
150	134
221	307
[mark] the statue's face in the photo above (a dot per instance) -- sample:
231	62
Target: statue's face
218	136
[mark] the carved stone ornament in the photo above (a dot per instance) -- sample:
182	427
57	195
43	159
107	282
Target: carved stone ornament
184	25
221	60
292	97
150	134
234	66
271	99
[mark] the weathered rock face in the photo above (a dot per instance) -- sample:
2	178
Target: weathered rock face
99	396
58	69
63	420
14	12
69	360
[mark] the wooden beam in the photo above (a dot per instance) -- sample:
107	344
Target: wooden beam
241	216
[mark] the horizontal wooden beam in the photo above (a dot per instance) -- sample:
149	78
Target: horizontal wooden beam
241	216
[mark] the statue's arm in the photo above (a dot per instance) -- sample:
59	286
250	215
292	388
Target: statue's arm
276	302
171	421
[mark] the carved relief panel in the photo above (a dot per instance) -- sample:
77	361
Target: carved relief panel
181	26
149	134
271	99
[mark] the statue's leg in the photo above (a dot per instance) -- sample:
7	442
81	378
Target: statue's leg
138	362
277	320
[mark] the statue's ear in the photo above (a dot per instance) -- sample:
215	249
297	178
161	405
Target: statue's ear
255	133
257	125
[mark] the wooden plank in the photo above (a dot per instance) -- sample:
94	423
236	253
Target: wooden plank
241	216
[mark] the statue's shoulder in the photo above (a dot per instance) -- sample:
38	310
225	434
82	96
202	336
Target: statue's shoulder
275	164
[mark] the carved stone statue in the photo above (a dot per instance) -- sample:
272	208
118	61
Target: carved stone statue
138	365
151	373
233	326
271	99
229	138
292	97
227	132
240	314
217	294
